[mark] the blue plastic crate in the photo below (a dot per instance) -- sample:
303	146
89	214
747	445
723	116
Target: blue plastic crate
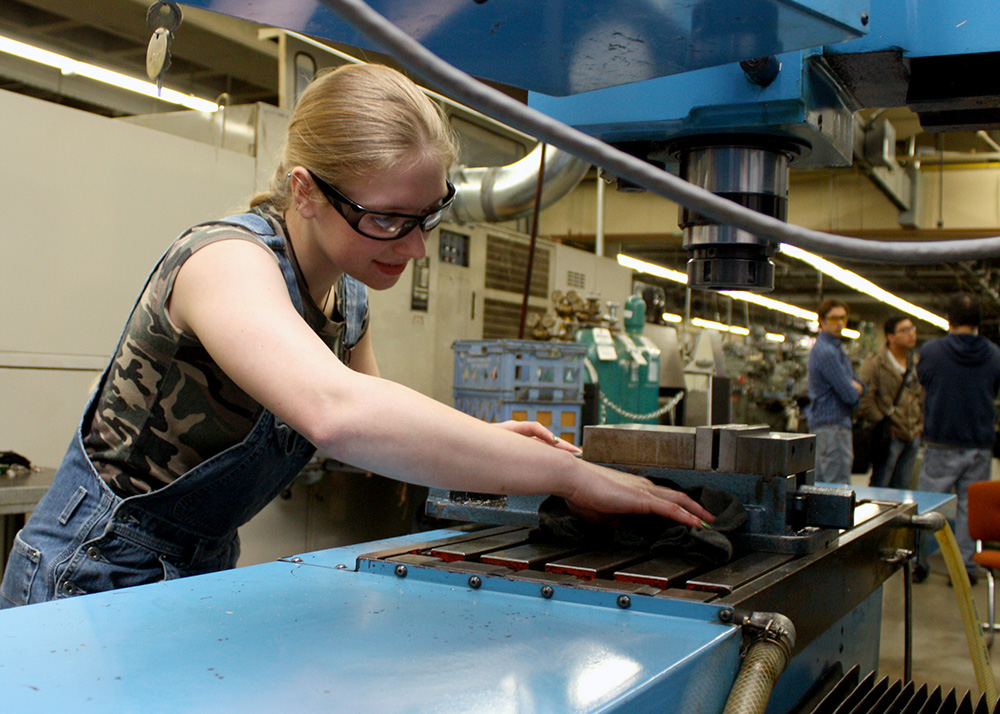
562	418
525	370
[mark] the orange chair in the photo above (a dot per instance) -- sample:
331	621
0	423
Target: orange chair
984	527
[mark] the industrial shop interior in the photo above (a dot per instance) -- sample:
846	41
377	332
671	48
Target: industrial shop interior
736	264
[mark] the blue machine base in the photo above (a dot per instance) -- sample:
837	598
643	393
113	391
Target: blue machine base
313	634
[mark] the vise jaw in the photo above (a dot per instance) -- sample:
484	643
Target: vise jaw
770	472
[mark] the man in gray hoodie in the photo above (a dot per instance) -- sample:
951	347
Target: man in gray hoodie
960	373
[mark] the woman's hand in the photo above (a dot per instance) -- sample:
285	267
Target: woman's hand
539	432
603	492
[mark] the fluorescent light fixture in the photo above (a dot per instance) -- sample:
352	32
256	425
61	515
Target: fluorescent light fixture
709	324
774	337
848	332
652	269
671	317
712	325
643	267
70	67
855	281
771	304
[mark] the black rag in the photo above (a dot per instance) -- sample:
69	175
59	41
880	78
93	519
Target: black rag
655	534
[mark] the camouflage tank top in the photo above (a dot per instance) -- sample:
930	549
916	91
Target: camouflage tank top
165	406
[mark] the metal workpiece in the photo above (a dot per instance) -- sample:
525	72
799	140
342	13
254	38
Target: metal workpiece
775	454
731	445
706	450
649	444
743	448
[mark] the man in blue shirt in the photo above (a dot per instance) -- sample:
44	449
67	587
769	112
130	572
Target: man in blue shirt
960	373
834	391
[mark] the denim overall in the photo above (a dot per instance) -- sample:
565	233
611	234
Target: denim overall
84	538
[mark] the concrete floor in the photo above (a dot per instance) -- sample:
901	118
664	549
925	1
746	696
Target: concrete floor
940	648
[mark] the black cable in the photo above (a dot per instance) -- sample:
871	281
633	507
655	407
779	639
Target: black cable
463	88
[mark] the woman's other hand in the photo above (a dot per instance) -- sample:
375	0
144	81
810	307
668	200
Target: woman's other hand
539	432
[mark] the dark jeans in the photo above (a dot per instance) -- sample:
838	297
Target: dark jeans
896	469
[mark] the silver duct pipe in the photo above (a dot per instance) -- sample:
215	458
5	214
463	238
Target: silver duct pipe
504	193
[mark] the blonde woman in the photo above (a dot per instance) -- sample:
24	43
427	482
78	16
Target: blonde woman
249	349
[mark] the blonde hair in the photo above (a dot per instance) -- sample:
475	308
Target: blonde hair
357	120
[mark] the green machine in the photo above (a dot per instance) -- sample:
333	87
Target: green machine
626	368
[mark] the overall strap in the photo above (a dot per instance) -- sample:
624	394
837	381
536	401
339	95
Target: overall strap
263	230
355	307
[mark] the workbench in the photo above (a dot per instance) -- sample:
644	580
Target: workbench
18	497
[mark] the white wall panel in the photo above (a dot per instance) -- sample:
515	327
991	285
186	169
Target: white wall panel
90	203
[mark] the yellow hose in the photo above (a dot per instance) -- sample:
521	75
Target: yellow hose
970	616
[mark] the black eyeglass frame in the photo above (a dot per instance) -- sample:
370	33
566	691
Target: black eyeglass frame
353	212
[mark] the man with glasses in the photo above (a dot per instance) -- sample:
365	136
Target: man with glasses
960	373
892	391
834	392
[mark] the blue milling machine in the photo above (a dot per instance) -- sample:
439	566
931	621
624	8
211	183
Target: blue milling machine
485	616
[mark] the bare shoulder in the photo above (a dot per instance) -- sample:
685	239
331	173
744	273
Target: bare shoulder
223	274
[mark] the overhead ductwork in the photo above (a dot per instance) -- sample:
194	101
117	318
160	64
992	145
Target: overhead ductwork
505	193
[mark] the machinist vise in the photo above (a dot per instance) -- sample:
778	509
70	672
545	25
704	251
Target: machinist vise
771	473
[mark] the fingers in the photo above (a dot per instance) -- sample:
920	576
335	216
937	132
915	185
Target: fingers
681	514
619	492
684	502
566	446
528	428
540	433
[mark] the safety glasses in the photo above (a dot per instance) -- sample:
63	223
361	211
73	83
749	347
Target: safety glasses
382	225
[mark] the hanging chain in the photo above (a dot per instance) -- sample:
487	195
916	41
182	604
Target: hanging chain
669	406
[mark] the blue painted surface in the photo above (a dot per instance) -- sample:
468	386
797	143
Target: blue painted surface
927	501
308	637
854	640
718	100
927	29
565	46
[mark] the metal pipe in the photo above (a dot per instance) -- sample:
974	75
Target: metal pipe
931	521
907	621
504	193
989	140
539	181
765	660
599	233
